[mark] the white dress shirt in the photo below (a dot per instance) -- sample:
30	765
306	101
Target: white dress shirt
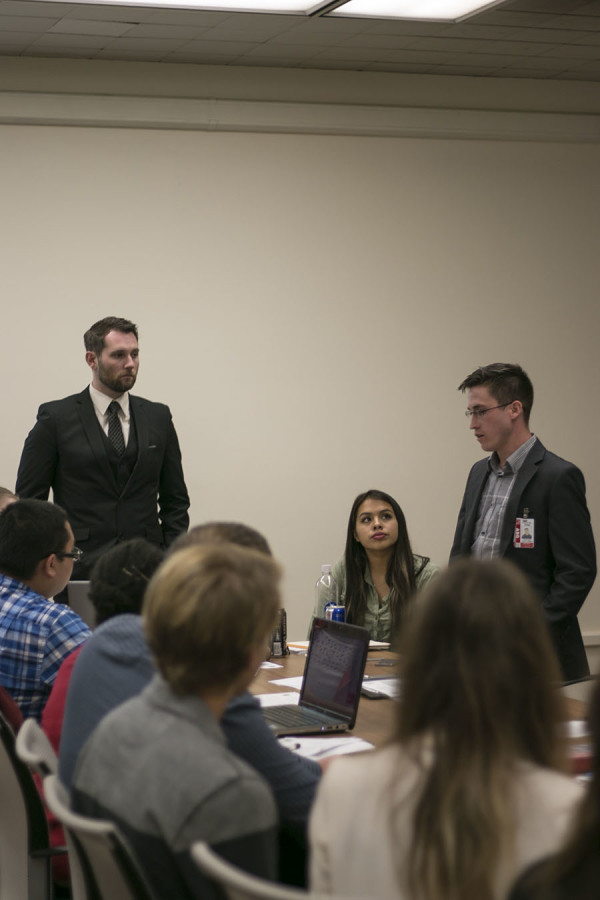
102	402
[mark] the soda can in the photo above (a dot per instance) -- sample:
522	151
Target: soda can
335	613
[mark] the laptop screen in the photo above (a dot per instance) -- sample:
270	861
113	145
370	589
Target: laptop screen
334	667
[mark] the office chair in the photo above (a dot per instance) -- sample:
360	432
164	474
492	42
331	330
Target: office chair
10	710
110	870
34	749
25	851
239	885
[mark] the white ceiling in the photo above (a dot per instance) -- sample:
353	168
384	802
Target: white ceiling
543	39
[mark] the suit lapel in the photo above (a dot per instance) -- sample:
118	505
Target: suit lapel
476	487
140	420
513	507
93	432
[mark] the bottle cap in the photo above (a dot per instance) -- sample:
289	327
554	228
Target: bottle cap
326	567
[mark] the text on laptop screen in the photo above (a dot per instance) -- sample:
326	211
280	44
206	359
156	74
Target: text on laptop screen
335	660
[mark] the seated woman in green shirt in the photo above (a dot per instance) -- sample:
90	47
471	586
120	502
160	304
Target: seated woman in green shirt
379	574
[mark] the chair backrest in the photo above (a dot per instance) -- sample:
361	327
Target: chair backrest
10	710
237	884
25	854
110	868
34	749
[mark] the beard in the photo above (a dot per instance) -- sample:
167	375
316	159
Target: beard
119	383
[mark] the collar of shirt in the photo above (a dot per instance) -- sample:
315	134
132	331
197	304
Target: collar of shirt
102	402
514	461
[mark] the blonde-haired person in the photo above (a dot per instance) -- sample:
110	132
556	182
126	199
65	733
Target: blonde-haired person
470	791
158	764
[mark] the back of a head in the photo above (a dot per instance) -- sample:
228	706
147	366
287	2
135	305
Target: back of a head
206	609
222	533
479	667
120	577
30	530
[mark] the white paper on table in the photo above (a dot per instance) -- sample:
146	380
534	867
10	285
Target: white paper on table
295	682
388	686
298	646
270	665
285	698
319	748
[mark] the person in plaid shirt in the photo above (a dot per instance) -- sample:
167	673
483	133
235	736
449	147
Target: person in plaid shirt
37	553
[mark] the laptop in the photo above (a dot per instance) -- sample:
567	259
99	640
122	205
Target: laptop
331	682
77	596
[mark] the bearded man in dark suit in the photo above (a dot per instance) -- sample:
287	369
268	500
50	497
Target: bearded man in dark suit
112	460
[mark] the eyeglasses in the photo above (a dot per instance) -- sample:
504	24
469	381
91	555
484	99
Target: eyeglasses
480	413
74	554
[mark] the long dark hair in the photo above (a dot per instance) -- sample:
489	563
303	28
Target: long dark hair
400	575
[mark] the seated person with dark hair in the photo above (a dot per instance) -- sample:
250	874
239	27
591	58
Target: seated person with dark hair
124	669
36	560
113	664
158	765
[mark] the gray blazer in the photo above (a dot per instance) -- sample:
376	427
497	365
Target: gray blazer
562	565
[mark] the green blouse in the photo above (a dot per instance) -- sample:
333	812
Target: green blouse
378	616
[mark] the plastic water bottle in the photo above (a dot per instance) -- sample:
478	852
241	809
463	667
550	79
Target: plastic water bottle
326	591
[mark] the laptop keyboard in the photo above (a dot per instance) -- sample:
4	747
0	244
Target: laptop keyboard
296	715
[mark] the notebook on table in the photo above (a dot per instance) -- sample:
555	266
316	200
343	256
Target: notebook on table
331	683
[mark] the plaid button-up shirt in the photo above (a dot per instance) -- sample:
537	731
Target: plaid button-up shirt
36	635
490	518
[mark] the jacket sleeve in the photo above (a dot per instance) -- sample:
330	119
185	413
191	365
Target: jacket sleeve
571	544
292	778
39	459
173	498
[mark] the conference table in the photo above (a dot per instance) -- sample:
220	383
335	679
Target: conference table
376	717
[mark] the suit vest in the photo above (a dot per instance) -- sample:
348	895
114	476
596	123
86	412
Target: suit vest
122	466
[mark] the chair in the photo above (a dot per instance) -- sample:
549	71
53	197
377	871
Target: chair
10	710
34	749
109	868
25	851
240	885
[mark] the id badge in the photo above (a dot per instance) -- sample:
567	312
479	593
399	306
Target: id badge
524	538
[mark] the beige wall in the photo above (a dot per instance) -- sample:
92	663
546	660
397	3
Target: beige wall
307	306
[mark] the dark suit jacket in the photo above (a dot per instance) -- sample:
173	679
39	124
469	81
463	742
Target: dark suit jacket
66	451
562	565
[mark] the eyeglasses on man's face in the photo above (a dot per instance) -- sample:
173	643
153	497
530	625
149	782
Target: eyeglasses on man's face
480	411
75	554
